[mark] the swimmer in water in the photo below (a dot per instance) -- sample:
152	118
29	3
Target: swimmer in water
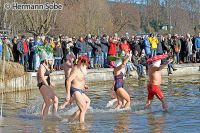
123	97
67	66
76	86
45	88
154	73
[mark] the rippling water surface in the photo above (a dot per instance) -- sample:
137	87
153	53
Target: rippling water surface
21	111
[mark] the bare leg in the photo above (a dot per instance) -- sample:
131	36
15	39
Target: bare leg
164	105
66	103
74	116
80	101
124	103
46	108
87	100
55	106
124	95
148	103
43	105
44	90
119	102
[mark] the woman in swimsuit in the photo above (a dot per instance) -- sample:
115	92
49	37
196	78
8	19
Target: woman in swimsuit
123	97
44	84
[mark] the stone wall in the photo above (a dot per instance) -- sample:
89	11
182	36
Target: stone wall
29	80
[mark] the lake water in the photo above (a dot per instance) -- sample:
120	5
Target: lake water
21	110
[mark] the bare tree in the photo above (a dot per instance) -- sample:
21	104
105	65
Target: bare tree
86	16
126	18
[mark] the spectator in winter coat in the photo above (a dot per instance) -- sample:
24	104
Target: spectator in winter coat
7	49
104	47
159	46
154	44
177	48
112	51
147	46
15	51
197	43
37	42
1	49
189	46
23	49
64	46
97	54
32	58
81	47
58	55
90	47
124	46
136	62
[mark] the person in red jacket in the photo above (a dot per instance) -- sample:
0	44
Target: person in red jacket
124	46
112	50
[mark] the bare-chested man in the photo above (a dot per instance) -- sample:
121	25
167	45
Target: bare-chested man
76	86
67	66
154	73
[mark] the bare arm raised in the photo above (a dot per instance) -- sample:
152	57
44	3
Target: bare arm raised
120	67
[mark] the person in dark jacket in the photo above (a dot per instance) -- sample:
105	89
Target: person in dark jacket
58	55
81	47
136	62
64	47
90	46
15	51
160	47
104	47
146	46
97	54
32	56
23	49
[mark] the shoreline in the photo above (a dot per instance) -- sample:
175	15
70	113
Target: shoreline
29	81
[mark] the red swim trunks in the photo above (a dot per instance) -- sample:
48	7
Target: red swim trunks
154	90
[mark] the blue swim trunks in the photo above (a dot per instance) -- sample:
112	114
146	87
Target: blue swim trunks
73	90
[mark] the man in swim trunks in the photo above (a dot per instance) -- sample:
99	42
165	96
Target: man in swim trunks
67	66
76	86
154	73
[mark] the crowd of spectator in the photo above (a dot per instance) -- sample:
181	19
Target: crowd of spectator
183	49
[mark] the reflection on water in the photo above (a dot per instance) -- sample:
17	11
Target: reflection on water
122	123
50	126
74	128
21	110
156	122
